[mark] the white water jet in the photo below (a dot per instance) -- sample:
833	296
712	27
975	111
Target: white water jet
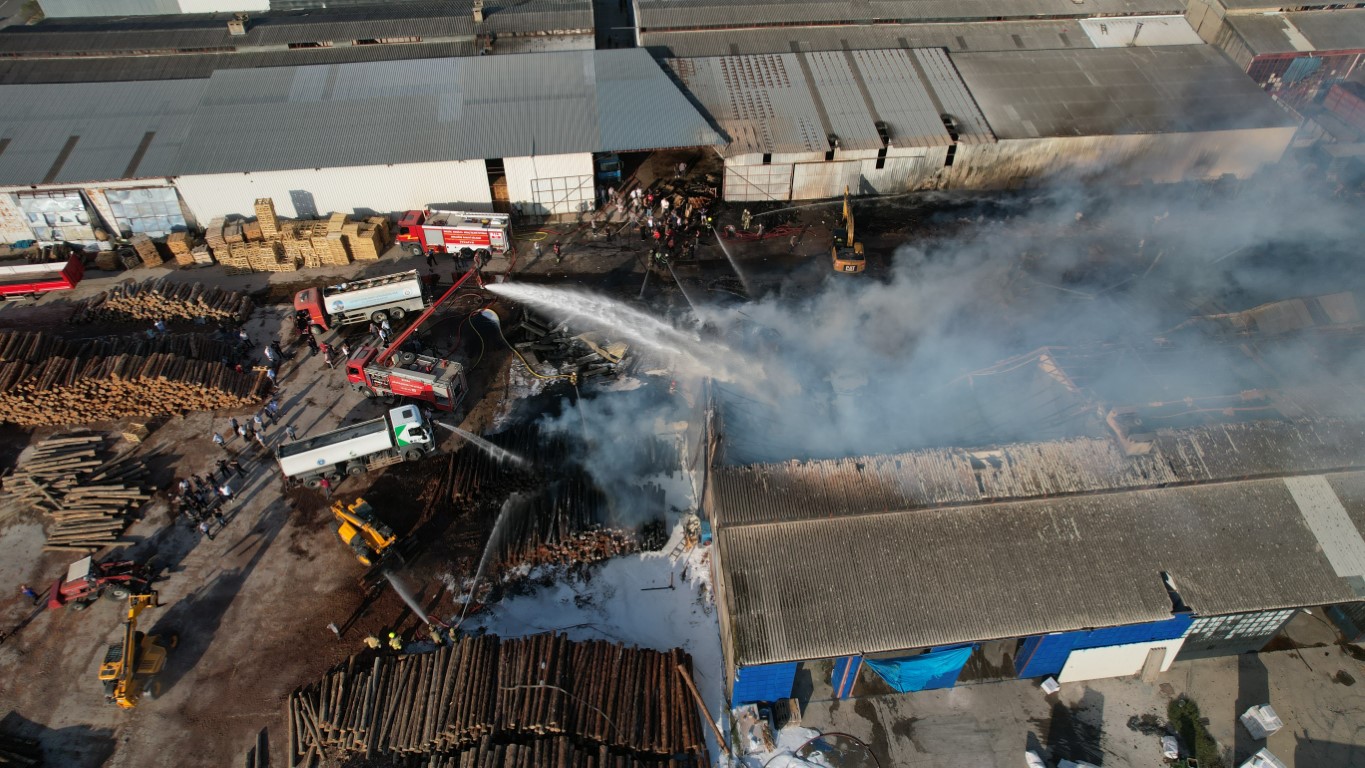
496	451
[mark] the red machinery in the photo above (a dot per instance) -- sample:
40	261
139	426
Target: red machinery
471	235
86	580
31	280
388	372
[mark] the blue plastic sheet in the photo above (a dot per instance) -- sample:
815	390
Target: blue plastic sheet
936	669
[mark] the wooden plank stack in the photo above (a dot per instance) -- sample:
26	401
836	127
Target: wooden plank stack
146	250
536	701
251	230
162	299
181	246
89	494
45	380
265	216
364	240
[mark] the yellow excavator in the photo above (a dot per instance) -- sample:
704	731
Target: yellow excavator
129	667
362	531
847	252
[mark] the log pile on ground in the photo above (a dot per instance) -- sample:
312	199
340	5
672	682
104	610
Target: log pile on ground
20	752
89	493
163	300
537	701
45	380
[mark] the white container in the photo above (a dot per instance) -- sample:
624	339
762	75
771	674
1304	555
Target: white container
1263	759
1050	686
1261	721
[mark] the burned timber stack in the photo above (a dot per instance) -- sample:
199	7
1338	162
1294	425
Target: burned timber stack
536	701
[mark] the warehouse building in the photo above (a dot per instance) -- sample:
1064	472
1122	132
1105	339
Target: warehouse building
195	46
481	133
1105	546
1067	558
805	125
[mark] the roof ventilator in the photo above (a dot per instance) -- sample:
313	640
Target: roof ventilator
884	133
237	24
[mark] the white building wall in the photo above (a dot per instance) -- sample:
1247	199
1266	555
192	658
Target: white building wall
551	184
368	190
1133	159
1115	660
808	176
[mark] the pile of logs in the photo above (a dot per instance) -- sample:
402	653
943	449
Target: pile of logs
20	752
163	300
536	701
45	380
89	494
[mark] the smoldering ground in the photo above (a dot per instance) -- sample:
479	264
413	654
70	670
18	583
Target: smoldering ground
1104	276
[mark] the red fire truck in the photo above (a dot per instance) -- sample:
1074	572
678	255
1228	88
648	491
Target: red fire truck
468	234
391	372
22	281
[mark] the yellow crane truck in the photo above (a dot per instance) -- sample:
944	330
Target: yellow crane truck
129	667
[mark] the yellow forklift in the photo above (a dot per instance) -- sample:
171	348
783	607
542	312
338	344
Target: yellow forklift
129	667
362	531
847	253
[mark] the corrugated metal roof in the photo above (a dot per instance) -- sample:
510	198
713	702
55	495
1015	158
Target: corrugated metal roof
790	102
1334	30
696	14
640	107
979	36
954	97
427	110
884	582
188	66
109	122
781	492
762	103
1115	91
337	25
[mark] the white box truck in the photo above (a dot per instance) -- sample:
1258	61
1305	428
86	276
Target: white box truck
387	297
403	434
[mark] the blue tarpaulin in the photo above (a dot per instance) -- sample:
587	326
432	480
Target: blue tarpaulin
936	669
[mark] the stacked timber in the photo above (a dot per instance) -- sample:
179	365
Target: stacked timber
146	250
49	381
363	239
89	494
181	246
251	231
266	218
535	701
163	300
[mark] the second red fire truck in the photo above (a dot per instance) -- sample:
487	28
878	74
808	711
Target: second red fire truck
468	235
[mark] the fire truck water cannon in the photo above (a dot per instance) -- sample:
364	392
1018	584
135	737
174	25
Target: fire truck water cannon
395	372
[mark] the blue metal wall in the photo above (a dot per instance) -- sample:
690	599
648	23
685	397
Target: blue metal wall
767	682
1046	654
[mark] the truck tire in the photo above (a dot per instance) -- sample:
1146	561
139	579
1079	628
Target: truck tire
313	482
379	316
355	469
466	254
397	314
412	454
367	392
118	593
79	605
415	249
333	477
482	256
406	358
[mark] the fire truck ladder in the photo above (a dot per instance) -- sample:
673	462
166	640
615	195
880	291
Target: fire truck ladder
385	357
